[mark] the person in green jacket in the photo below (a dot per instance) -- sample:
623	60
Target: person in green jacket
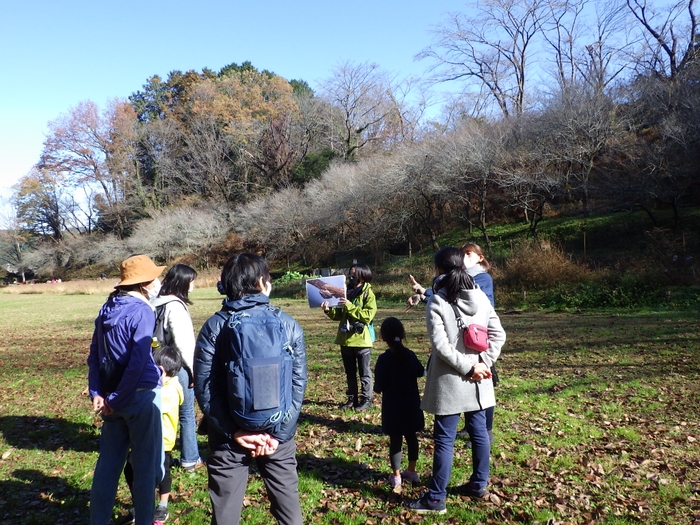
356	334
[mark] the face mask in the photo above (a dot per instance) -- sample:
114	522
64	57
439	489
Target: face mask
154	290
267	288
471	259
352	281
220	288
191	289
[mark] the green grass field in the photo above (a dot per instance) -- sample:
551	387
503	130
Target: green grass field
597	422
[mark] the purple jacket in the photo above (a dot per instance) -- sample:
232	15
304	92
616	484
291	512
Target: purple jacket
127	324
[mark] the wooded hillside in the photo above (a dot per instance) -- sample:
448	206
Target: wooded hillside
558	108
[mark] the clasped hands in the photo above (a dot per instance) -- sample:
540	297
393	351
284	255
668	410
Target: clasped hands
100	406
259	444
480	371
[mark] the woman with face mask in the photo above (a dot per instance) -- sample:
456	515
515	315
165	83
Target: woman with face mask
174	317
478	268
355	313
124	385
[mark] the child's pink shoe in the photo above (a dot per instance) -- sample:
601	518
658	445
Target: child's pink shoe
394	481
411	477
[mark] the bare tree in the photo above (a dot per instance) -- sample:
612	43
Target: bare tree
279	222
211	163
39	199
96	150
368	109
670	36
491	49
561	29
525	175
580	126
179	231
602	59
15	241
471	158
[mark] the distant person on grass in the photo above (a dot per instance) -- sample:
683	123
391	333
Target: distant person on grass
396	378
124	384
178	331
246	281
458	378
169	361
355	314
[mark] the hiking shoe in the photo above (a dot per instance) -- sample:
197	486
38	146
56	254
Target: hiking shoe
192	466
471	491
366	403
126	520
411	477
394	481
161	514
347	405
424	504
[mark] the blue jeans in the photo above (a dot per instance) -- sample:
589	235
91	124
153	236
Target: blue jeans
137	426
444	434
189	450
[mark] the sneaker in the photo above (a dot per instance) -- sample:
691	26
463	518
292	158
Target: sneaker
424	505
192	466
411	477
126	520
161	514
471	491
394	481
366	403
347	405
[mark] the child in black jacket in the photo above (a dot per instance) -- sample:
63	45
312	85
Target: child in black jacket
396	378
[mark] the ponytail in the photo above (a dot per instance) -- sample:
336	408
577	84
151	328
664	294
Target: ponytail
393	333
450	262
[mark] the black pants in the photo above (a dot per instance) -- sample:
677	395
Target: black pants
395	442
354	359
165	486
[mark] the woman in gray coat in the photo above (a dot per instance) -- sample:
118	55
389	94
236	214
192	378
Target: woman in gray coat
458	378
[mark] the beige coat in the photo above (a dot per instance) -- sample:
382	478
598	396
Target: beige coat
447	390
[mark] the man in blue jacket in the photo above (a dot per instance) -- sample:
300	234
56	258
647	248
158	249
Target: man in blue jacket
246	281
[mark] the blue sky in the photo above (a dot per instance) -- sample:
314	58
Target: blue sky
55	54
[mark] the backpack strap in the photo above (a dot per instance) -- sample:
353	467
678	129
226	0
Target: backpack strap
160	317
101	332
